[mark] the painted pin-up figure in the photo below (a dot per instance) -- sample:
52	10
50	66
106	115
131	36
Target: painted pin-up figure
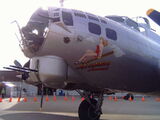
97	53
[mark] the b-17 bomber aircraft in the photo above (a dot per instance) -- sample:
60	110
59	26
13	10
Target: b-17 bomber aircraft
75	50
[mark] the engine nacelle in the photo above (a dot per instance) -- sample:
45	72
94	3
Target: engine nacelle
53	71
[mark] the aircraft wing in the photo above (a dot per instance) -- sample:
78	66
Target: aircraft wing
10	76
154	15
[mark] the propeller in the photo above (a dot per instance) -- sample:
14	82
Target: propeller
18	67
17	64
154	15
25	74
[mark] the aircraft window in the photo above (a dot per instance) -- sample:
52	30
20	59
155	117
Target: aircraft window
111	34
116	18
57	19
141	29
67	18
56	9
56	14
93	18
80	15
103	21
94	28
132	24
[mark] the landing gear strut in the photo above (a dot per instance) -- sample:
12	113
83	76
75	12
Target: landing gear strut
90	108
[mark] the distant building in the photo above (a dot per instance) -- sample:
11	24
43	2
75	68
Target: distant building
17	89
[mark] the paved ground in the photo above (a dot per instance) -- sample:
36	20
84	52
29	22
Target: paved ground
67	110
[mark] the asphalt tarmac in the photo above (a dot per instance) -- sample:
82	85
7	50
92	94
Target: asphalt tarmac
67	109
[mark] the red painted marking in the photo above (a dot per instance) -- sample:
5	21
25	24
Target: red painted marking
130	99
10	99
54	98
97	50
19	99
91	96
65	98
104	55
35	99
82	98
143	99
1	99
97	69
110	98
98	64
47	99
115	99
158	99
73	98
25	99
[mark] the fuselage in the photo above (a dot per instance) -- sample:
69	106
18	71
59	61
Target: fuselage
131	59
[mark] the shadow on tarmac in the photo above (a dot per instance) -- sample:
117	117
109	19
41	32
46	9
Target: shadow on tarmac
35	116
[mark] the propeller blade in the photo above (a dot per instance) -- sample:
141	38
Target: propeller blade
154	15
17	63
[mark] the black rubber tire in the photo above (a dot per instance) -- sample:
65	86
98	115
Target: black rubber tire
87	112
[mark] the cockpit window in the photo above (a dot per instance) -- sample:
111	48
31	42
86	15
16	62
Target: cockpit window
67	18
56	14
116	18
122	19
94	28
132	24
111	34
57	9
103	21
93	18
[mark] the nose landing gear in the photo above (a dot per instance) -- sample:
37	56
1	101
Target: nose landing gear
90	108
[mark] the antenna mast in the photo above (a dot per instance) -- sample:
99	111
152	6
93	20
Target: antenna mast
61	2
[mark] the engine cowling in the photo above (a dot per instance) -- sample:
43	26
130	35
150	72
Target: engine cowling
53	71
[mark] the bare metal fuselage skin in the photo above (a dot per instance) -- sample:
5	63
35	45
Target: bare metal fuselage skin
134	64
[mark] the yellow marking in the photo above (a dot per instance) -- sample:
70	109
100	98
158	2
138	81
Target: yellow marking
104	55
150	11
105	42
98	64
